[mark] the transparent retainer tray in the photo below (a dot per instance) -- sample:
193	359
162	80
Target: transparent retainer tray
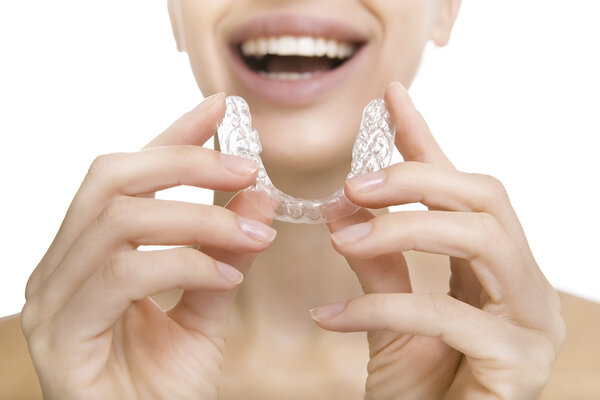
372	151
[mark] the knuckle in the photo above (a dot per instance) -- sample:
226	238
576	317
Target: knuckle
188	258
560	332
216	216
118	210
37	277
402	227
540	355
103	165
380	303
439	304
186	155
184	152
32	284
494	189
555	325
554	298
489	237
38	343
28	318
118	270
490	229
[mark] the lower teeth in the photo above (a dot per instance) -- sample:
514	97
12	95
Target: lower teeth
289	76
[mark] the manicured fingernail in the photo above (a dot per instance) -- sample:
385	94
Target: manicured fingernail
257	230
327	312
209	101
352	234
230	273
367	182
237	165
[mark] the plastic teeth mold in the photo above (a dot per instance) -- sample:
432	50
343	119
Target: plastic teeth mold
372	151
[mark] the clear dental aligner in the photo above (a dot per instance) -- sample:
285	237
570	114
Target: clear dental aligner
372	151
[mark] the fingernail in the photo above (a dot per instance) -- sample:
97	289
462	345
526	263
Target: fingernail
352	234
230	273
327	312
209	101
257	230
367	182
237	165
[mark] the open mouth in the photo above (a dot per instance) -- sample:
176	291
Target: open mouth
295	58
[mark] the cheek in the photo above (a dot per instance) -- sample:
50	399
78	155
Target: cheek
202	41
406	28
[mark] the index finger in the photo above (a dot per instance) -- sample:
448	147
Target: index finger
413	137
196	126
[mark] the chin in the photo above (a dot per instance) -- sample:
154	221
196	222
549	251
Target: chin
308	141
306	160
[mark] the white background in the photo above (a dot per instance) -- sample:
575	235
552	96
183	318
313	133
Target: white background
515	95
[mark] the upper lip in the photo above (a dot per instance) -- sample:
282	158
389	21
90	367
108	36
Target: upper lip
279	24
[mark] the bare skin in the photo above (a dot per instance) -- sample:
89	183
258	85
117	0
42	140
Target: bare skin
94	333
574	375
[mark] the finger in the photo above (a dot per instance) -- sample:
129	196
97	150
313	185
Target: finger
437	188
143	172
165	167
151	170
208	312
128	222
196	126
413	137
477	237
469	330
387	273
131	276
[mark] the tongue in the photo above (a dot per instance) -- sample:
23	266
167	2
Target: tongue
298	64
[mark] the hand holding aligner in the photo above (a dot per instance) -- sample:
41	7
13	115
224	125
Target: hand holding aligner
372	151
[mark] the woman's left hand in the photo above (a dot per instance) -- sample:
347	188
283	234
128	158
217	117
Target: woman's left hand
496	334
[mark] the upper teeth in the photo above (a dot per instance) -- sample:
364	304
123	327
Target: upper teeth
297	46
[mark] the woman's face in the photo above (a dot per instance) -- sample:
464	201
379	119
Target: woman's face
307	68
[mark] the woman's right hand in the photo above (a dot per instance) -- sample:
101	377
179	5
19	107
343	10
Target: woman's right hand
93	332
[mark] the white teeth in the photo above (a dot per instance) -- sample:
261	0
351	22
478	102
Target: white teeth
320	47
305	46
289	76
272	46
262	47
297	46
249	47
344	50
287	46
332	49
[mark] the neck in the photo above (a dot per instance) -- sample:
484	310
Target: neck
300	271
309	184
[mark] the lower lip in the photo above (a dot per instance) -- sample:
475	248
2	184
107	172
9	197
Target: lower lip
297	92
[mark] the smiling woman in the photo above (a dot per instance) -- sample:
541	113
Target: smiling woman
441	301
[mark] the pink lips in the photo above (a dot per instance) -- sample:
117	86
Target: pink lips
301	91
